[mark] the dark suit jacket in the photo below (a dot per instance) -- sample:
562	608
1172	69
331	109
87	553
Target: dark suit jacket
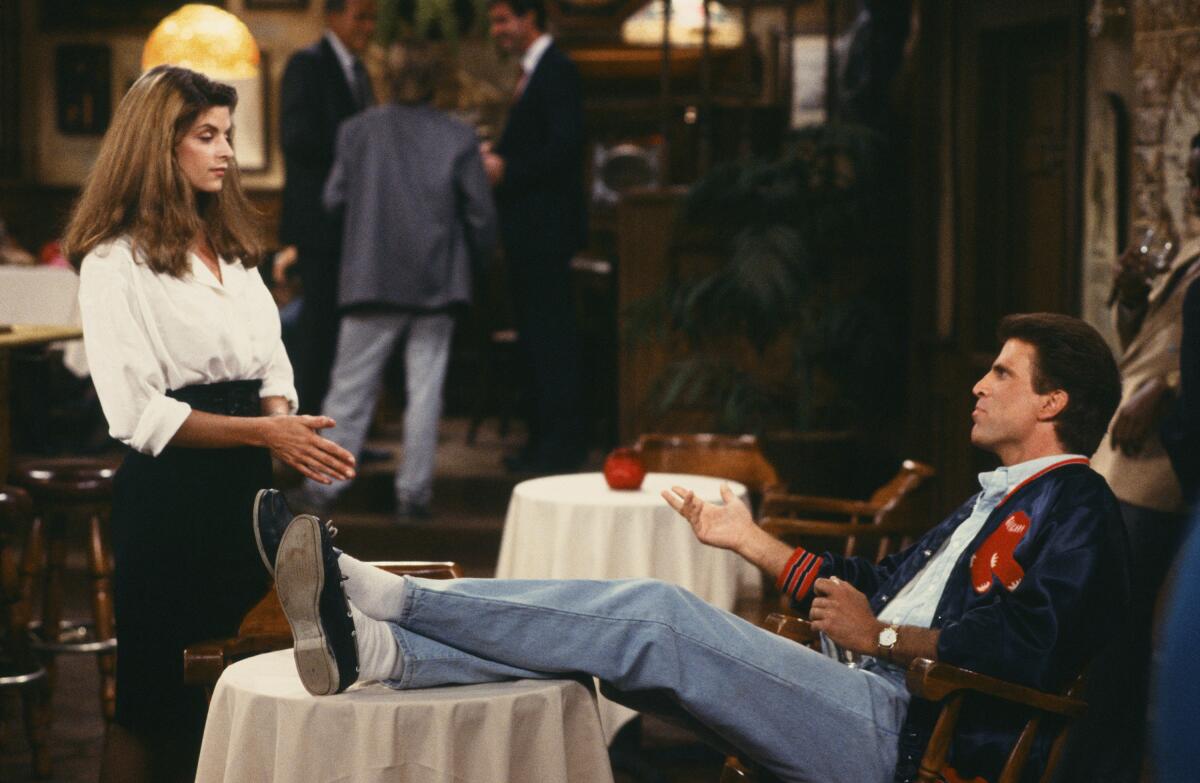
1181	430
540	200
316	98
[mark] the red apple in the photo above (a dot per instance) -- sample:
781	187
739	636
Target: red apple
623	469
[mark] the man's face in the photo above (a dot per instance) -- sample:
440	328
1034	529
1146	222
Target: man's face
1193	178
1007	407
354	25
513	33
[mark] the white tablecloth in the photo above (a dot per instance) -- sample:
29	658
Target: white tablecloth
575	527
44	295
264	727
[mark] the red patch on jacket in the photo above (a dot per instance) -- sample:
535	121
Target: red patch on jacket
995	557
949	775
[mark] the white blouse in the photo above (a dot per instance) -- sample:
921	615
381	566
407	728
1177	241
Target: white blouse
146	333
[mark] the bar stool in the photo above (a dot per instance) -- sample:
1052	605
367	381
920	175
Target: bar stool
19	667
68	491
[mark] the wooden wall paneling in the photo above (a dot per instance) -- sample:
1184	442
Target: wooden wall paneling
1015	169
10	89
645	226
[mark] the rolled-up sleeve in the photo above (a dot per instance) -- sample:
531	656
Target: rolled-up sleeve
128	380
279	381
278	378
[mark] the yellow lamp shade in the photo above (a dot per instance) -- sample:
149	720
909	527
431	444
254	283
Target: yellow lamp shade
206	39
686	28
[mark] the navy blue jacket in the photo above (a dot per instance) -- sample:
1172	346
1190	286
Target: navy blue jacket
541	200
1058	592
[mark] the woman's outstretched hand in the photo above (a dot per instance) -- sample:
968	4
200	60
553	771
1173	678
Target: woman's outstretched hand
296	440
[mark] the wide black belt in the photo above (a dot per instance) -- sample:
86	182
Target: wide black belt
229	398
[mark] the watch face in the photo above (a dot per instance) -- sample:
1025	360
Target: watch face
887	637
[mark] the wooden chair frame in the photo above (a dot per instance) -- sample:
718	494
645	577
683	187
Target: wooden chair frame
890	518
941	682
736	457
265	629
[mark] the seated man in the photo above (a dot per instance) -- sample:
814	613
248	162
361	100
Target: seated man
1021	582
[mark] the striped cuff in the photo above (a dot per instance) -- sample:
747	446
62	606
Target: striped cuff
799	574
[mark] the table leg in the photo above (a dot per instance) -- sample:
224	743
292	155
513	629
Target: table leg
5	428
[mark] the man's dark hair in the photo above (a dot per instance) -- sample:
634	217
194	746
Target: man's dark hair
335	6
1196	141
522	7
1072	356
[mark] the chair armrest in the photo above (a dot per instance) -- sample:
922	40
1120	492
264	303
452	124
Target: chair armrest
204	662
935	681
790	627
429	569
814	504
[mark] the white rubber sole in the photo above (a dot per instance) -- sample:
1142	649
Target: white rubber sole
262	552
299	580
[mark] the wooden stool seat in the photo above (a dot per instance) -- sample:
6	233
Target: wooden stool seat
69	492
20	669
67	478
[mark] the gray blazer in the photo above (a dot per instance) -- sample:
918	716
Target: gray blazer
418	211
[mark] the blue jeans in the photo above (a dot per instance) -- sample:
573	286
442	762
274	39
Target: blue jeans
802	715
364	344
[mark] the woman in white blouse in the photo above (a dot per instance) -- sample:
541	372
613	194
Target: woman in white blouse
183	341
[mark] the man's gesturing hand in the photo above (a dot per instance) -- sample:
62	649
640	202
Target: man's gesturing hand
724	526
842	612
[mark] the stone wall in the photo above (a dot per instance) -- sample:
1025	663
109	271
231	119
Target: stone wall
1166	110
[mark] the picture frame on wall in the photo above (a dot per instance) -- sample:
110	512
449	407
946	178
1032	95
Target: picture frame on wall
82	89
251	121
809	69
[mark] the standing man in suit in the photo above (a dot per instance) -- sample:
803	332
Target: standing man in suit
419	222
323	85
537	170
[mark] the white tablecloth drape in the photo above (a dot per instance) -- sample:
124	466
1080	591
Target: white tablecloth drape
575	527
45	295
263	727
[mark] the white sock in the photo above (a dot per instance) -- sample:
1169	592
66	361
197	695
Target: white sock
376	592
378	652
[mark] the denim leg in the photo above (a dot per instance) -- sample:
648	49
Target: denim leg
425	355
364	344
429	664
802	715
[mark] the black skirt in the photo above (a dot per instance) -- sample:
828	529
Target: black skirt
187	567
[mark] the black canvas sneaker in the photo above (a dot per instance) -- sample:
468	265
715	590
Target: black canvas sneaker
309	584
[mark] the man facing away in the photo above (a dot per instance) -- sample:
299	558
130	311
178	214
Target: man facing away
537	169
419	222
323	84
1022	582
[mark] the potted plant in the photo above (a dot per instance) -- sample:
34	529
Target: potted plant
795	324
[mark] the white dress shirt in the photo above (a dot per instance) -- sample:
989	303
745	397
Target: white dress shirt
147	333
917	601
533	55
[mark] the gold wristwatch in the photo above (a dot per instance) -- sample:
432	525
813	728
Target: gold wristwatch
887	641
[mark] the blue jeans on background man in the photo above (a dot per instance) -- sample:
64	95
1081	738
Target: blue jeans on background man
812	717
365	343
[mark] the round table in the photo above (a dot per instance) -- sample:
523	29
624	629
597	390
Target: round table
574	527
263	726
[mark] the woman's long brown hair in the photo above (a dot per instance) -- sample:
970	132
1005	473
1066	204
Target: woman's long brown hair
136	187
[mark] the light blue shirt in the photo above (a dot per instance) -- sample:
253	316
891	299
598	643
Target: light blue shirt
917	601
